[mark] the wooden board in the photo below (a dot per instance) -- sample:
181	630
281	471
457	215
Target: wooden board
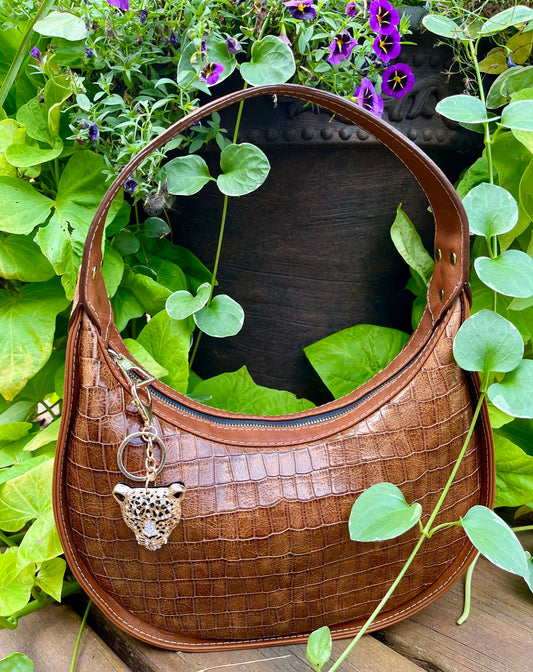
48	637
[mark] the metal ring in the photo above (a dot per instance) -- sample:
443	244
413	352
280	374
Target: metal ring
127	441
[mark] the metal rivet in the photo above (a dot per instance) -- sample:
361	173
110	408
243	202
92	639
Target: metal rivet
441	294
438	254
453	258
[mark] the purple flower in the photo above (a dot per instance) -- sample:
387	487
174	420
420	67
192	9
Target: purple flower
173	40
203	48
35	53
232	45
397	80
352	9
387	46
83	123
88	52
283	36
341	47
211	72
510	62
143	15
383	17
93	132
367	98
121	4
130	185
301	9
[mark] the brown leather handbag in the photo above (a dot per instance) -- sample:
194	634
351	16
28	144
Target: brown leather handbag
194	528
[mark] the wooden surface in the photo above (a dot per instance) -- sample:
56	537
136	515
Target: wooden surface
498	637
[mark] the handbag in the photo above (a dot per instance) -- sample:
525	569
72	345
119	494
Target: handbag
195	528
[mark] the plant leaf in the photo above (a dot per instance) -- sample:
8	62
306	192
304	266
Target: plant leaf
16	662
168	341
149	293
62	24
237	392
518	115
193	268
50	577
513	394
41	541
22	259
155	227
22	207
514	473
465	109
15	585
318	651
30	314
272	62
222	317
380	513
510	273
409	244
44	436
514	16
494	539
443	26
26	497
491	210
186	175
57	245
125	307
244	169
182	304
514	79
145	359
488	342
24	156
347	359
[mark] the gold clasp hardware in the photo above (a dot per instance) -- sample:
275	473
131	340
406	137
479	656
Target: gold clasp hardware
143	379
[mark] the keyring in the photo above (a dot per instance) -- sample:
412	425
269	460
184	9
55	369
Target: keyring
141	435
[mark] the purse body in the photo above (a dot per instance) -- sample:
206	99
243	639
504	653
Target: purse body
262	554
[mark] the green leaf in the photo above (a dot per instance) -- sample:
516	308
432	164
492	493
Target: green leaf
514	473
488	342
169	274
41	385
237	392
27	326
318	650
513	394
50	577
21	259
24	156
514	79
182	304
62	24
519	431
149	293
222	317
33	115
41	541
145	359
217	52
193	268
57	245
16	662
526	189
125	307
443	26
186	175
494	539
244	169
9	130
154	227
380	513
514	16
529	577
465	109
518	115
409	244
112	270
272	62
22	207
26	497
15	585
491	210
349	358
14	421
475	174
519	46
510	273
168	343
495	62
44	436
126	242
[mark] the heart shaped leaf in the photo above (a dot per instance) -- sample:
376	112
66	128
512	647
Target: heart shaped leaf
318	650
186	175
513	394
518	115
510	273
465	109
491	210
182	304
272	62
488	342
494	539
443	26
244	169
381	512
222	317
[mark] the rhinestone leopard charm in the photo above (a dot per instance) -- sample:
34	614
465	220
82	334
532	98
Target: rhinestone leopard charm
152	513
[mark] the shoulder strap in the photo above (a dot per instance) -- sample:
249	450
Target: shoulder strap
451	224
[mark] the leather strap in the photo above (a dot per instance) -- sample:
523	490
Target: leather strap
451	224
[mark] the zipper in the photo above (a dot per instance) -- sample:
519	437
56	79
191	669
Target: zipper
141	378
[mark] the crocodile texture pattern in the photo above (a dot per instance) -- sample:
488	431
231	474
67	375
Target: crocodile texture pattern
262	549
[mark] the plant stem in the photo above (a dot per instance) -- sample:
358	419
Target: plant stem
425	533
468	592
68	589
6	540
22	53
82	625
523	528
486	130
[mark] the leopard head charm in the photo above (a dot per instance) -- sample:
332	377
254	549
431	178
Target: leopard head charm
152	513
